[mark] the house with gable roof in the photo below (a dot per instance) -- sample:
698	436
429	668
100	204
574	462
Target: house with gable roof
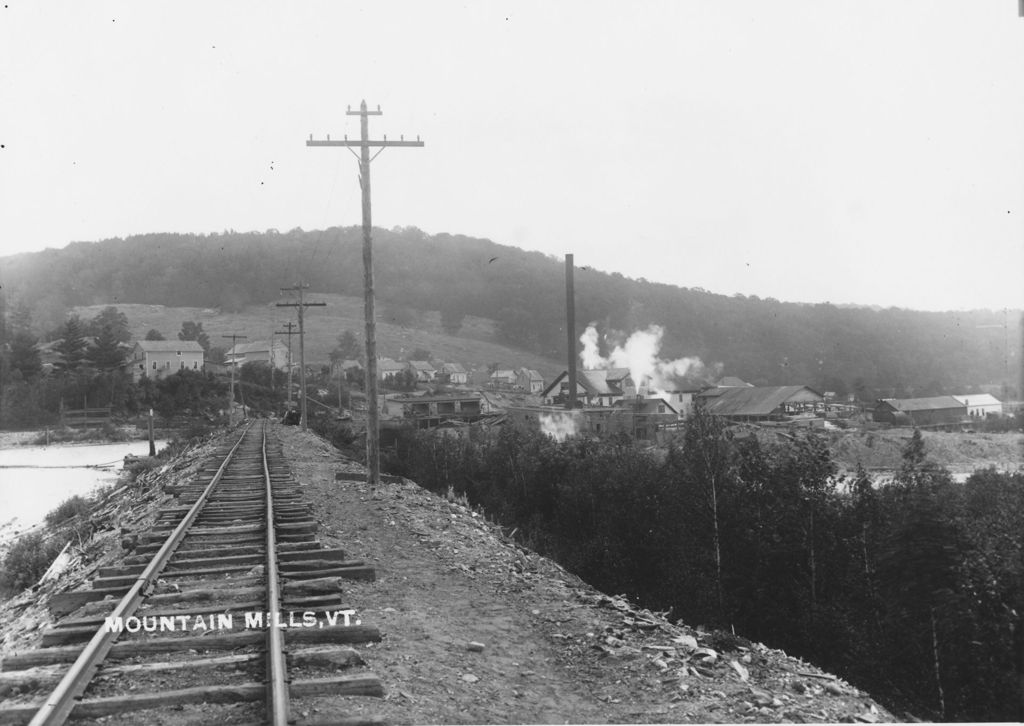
529	380
423	370
453	373
274	353
159	358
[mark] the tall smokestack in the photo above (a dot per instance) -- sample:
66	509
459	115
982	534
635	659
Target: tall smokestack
570	328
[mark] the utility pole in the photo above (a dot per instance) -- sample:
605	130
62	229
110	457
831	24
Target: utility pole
289	333
273	368
302	346
234	358
364	144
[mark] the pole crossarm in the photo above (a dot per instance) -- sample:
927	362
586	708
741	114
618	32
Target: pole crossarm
357	144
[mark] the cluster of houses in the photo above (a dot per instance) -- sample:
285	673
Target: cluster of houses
420	371
608	400
389	370
159	358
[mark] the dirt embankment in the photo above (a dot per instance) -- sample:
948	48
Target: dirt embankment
961	453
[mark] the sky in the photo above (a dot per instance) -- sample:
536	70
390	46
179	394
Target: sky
867	152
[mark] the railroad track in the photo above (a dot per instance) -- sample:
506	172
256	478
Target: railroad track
230	611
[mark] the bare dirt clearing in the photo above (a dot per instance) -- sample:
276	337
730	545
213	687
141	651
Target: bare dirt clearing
961	453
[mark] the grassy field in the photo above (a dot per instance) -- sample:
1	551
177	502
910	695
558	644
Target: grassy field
473	347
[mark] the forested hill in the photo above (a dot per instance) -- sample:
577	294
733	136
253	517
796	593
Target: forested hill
843	349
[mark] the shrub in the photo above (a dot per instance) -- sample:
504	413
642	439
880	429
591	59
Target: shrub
140	464
339	433
26	561
68	509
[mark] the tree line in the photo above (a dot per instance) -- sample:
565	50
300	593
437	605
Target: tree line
866	352
912	588
88	371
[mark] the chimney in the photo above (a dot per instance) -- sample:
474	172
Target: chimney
570	327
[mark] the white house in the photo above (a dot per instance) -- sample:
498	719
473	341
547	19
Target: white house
680	400
158	358
454	373
260	351
503	378
529	380
423	370
389	369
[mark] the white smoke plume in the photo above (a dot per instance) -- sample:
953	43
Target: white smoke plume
558	426
590	356
640	355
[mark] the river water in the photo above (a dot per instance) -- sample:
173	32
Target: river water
28	491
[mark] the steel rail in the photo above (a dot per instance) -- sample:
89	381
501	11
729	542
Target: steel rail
277	683
62	700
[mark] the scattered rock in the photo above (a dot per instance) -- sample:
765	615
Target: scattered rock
686	642
470	678
834	688
706	655
741	671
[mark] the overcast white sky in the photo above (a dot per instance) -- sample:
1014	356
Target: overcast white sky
867	152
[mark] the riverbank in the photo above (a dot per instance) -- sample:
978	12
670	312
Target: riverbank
36	479
83	437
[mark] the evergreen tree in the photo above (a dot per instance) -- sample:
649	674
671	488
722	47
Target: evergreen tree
107	354
154	334
24	356
72	347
